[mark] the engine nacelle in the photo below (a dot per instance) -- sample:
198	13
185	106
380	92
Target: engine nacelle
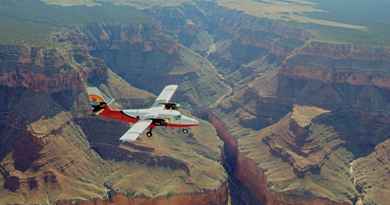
159	122
171	106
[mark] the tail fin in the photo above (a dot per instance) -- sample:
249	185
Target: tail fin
98	100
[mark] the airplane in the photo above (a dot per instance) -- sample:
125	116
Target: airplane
162	113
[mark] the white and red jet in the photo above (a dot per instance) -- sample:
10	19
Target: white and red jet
162	113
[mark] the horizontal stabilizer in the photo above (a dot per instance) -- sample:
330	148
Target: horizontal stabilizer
96	96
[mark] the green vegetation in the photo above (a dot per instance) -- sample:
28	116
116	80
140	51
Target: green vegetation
338	35
373	15
72	2
294	11
362	12
361	21
32	21
142	4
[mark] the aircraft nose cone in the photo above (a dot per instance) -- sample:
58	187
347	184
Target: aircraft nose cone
191	121
195	121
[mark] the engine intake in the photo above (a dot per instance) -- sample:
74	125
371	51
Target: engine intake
159	122
171	106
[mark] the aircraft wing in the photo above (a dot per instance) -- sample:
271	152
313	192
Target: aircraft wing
165	95
136	130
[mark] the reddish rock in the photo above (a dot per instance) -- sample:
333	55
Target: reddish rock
254	179
348	77
206	197
37	69
340	63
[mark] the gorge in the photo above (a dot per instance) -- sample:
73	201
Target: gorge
301	121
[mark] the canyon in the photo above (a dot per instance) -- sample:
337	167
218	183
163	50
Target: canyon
51	151
300	121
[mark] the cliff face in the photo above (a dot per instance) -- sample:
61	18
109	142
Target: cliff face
373	190
274	67
256	180
143	53
218	196
42	149
37	69
284	70
52	153
303	122
332	76
232	40
348	76
293	159
251	181
307	157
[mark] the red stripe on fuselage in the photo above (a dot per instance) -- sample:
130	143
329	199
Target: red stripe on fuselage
117	115
171	125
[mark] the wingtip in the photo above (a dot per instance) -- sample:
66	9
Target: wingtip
125	141
172	86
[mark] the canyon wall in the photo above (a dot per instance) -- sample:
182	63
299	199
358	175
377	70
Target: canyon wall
348	81
143	53
246	45
209	197
304	122
252	178
348	77
287	68
52	154
37	69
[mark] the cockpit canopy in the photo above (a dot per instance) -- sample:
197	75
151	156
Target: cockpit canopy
177	117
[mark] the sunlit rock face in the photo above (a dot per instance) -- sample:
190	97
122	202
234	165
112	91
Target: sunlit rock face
37	69
40	89
52	152
303	122
287	153
347	76
349	82
232	40
144	53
